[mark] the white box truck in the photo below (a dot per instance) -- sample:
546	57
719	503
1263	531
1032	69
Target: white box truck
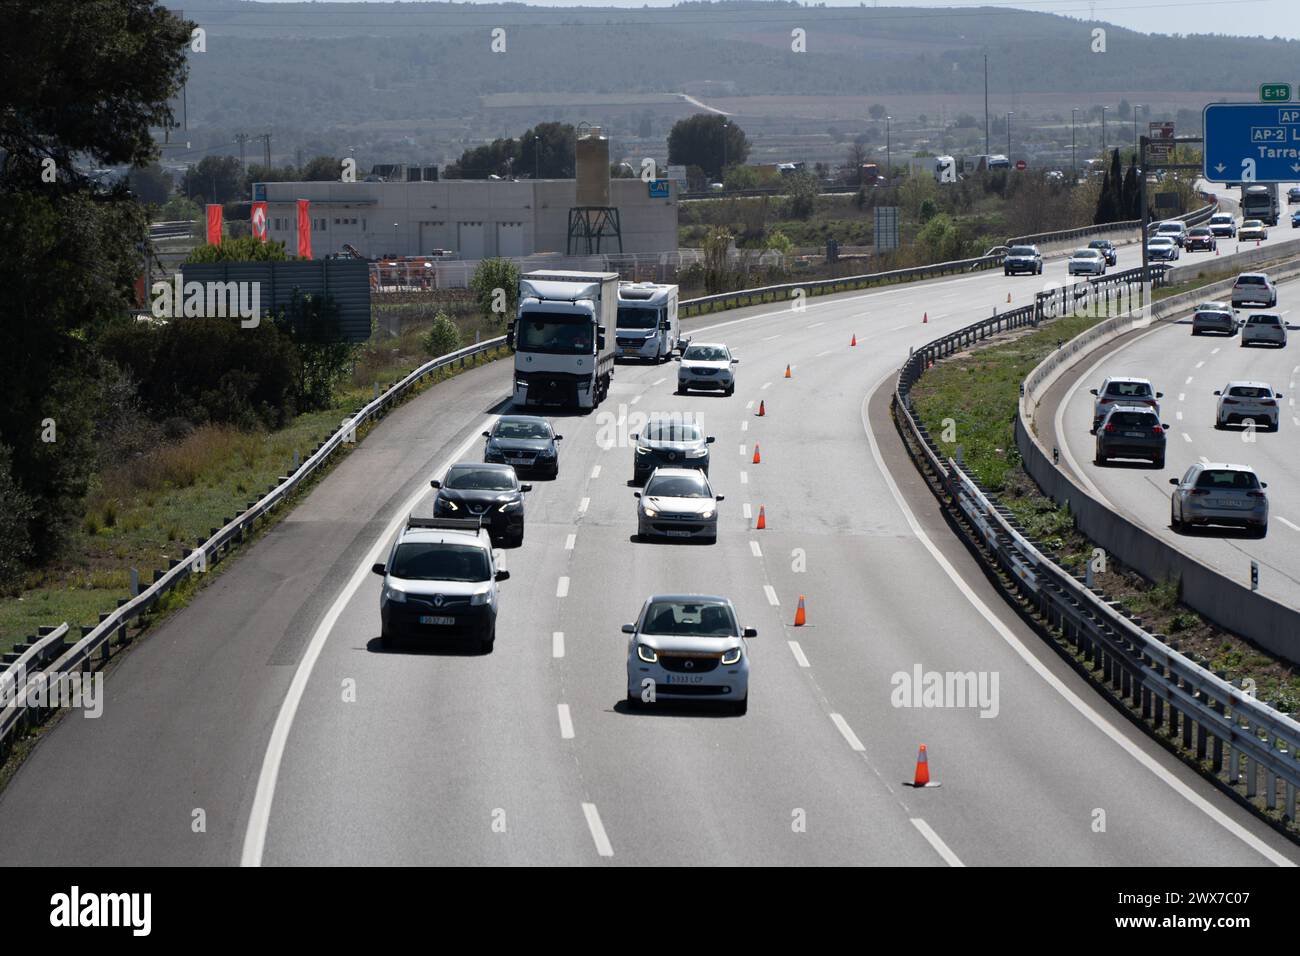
648	327
564	338
1260	202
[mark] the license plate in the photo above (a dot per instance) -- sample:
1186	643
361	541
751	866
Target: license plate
678	534
630	350
1132	434
436	619
683	678
518	461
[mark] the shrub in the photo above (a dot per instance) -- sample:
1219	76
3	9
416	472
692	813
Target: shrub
442	337
491	275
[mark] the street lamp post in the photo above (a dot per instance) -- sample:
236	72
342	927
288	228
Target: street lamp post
722	174
889	166
1136	107
537	157
1103	132
1074	163
1010	114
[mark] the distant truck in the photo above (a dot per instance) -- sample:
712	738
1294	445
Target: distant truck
985	161
869	175
1260	202
648	327
564	338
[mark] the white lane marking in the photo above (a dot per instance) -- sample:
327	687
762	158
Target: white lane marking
755	550
933	839
1178	415
1295	421
1073	699
897	327
562	587
259	815
1293	527
622	415
582	506
767	385
744	477
846	732
814	325
1189	381
797	651
749	404
1182	396
566	722
1187	438
771	595
657	382
595	471
569	542
1214	351
742	448
745	510
597	829
769	338
635	399
744	426
1204	460
1200	364
557	643
827	352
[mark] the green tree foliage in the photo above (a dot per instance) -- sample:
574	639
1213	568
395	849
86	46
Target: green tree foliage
150	184
802	189
699	141
179	209
491	275
741	177
241	249
717	269
216	179
17	513
778	241
443	337
311	323
1110	203
940	240
877	111
548	149
321	169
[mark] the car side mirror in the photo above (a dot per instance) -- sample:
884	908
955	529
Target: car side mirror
435	483
1173	481
1164	426
1278	395
559	438
719	497
1218	392
487	434
677	358
1263	484
1092	391
636	494
735	361
710	440
503	576
749	632
1160	394
525	488
629	628
634	436
379	569
600	340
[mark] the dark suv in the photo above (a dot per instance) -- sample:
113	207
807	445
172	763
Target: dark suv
1022	259
1131	431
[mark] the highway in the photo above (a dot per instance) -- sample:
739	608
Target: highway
266	712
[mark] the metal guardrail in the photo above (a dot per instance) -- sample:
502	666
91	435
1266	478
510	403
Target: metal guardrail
57	660
1245	743
1082	232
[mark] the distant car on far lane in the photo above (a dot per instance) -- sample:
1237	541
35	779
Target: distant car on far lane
1086	262
1214	317
1293	195
1020	259
1123	390
1248	401
1254	288
1131	431
1219	493
1107	249
1252	229
1264	327
1223	225
1162	249
1200	238
1295	219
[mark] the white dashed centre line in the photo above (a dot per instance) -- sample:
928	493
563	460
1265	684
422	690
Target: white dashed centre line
595	471
1178	415
767	385
744	426
562	588
742	448
827	352
797	651
746	511
771	595
933	839
1182	396
755	550
1189	381
557	643
1187	438
769	338
657	382
1200	364
847	733
603	846
749	404
1214	351
744	477
569	542
814	325
1293	527
582	506
635	399
566	722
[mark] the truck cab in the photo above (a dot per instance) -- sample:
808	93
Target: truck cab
648	327
563	337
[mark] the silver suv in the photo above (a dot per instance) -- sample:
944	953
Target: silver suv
1214	317
1264	327
1254	288
1219	493
1248	401
1122	390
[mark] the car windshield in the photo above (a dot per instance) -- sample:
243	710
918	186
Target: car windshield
1221	218
422	561
1129	390
1221	479
1199	232
541	333
689	618
1252	223
678	486
1161	241
671	431
1021	251
1250	391
1133	420
522	429
1087	254
1263	320
1250	280
1099	244
1170	227
481	479
705	353
631	317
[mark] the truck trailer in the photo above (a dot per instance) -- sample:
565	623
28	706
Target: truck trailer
1260	202
564	338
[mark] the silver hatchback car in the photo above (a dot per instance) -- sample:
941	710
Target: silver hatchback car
678	503
1219	493
1214	317
1254	288
1264	327
1248	401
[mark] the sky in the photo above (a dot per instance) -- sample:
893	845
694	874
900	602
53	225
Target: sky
1236	17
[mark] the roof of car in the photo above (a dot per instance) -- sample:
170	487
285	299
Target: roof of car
1159	239
1250	384
444	536
1100	242
691	598
1088	251
523	418
482	466
1126	378
679	473
1144	409
1225	466
1253	275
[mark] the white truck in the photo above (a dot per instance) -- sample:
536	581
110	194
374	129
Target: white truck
648	327
1260	202
564	338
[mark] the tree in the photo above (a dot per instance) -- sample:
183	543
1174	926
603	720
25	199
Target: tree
495	285
322	169
709	141
242	249
1131	195
150	184
740	177
716	268
802	188
877	112
778	241
312	323
443	337
216	179
551	148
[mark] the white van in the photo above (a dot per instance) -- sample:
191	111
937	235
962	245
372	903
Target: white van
648	328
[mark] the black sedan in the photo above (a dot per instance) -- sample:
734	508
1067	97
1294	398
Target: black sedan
489	492
524	441
1107	249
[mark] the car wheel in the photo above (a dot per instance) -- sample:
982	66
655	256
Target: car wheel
1159	462
1173	519
679	390
633	701
731	391
387	639
488	638
1261	531
1218	425
1100	459
1006	272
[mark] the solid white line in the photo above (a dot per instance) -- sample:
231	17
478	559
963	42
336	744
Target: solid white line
657	382
566	722
259	814
767	385
1081	706
1187	438
603	846
755	550
939	846
814	325
744	477
847	732
745	510
562	587
569	542
797	651
769	338
771	595
1293	527
557	643
582	506
595	471
635	399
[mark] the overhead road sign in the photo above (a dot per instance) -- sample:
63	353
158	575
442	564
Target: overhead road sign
1251	143
1274	92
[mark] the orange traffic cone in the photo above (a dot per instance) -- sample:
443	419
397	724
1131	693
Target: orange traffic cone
762	519
855	340
1256	243
925	317
757	457
799	616
787	371
762	409
1008	296
922	778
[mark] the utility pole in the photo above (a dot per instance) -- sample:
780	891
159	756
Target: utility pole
1009	115
1136	107
986	104
889	166
241	139
1074	163
1103	133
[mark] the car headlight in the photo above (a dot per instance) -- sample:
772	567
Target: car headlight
732	656
512	505
642	451
394	595
696	452
707	515
546	453
646	654
521	383
479	598
449	505
649	512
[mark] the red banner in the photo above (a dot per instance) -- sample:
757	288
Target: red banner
304	228
259	220
214	224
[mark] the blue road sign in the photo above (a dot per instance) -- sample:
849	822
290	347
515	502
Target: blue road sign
1252	142
659	189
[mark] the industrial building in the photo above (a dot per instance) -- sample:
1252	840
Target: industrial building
476	219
